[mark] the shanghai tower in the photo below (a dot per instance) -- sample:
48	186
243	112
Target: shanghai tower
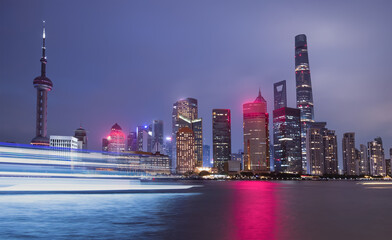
304	90
43	86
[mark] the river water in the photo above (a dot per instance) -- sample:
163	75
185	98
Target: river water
217	210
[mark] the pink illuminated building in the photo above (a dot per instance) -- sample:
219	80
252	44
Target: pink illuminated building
256	136
115	141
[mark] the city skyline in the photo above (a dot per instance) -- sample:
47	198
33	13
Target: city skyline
69	52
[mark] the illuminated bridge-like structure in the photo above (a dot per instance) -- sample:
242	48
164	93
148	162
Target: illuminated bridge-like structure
40	161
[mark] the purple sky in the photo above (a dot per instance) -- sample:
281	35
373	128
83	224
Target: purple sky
129	61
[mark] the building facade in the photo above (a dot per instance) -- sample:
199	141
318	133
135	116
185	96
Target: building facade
68	142
43	85
287	140
186	155
330	152
115	141
350	160
280	96
221	137
132	143
81	135
144	138
256	136
157	136
303	90
364	167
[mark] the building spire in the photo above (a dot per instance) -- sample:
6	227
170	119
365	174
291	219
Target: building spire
259	97
43	58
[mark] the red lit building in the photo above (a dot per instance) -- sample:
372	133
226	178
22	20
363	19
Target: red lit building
115	142
256	136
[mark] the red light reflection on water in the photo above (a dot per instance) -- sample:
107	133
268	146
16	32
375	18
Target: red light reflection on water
255	210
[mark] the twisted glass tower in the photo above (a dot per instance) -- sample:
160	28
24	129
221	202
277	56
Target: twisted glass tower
304	90
43	86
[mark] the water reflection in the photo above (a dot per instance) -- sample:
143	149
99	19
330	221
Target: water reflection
255	209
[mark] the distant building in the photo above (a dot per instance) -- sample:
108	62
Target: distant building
388	167
364	166
186	157
287	140
239	157
232	167
221	137
81	135
321	147
64	142
280	96
376	157
157	136
132	143
115	142
144	138
304	90
168	148
256	136
185	114
207	156
350	161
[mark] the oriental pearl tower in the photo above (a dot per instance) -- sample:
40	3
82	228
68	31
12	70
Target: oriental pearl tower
43	86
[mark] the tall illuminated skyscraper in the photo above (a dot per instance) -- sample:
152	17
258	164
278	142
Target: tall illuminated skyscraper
376	157
185	114
43	85
256	136
350	160
186	155
304	89
221	137
115	142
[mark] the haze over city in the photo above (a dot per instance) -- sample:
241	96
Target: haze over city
131	66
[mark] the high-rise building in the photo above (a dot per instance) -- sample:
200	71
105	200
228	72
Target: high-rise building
256	136
322	156
186	155
221	137
144	138
330	152
375	154
157	136
304	89
81	135
287	140
132	143
185	114
350	163
115	142
239	157
388	167
66	142
364	167
280	96
168	148
43	85
207	156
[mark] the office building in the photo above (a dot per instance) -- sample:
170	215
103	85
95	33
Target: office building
157	136
186	155
185	114
144	138
68	142
81	135
350	160
330	152
287	140
239	157
256	136
280	96
388	167
115	141
43	85
221	137
303	90
132	143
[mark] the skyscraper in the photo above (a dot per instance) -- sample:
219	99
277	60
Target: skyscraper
350	163
304	89
144	137
364	168
256	136
43	85
221	137
330	152
81	135
186	155
376	157
280	96
206	156
157	136
115	142
287	140
132	144
185	115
